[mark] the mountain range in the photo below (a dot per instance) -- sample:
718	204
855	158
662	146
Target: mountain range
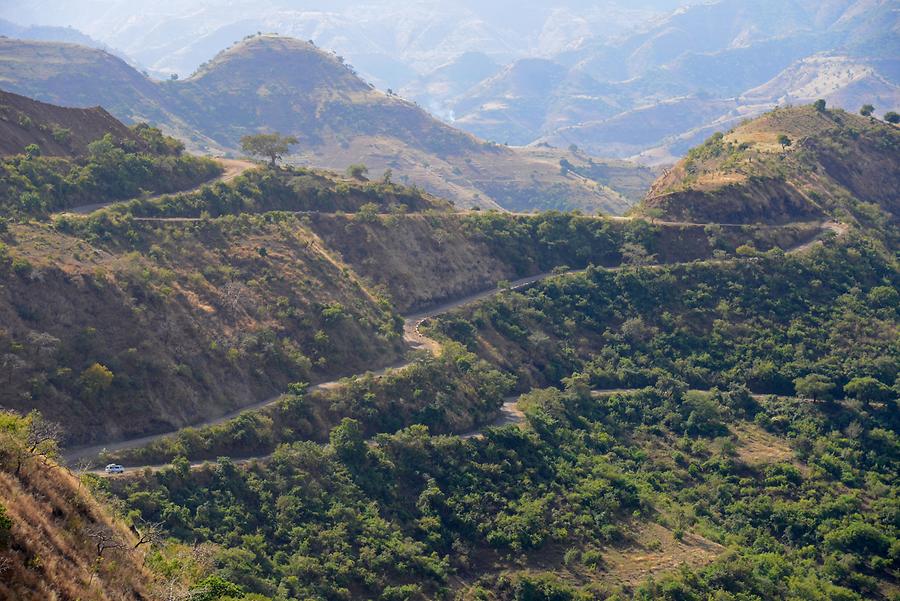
644	80
326	387
658	92
274	83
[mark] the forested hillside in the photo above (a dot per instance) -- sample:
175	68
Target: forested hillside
54	158
672	444
375	396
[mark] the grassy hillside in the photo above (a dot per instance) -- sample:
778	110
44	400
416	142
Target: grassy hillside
837	165
271	83
56	540
230	302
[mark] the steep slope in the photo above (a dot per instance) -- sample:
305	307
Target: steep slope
57	72
59	542
56	130
837	165
77	76
268	83
218	317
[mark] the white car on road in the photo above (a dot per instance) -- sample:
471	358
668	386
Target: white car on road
114	468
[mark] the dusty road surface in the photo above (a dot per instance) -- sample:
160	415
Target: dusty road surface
411	333
232	169
414	338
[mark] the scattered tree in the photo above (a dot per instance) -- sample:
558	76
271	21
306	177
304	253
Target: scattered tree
105	538
892	117
41	440
357	171
270	146
347	441
814	386
367	213
636	254
95	379
32	151
148	533
819	105
5	528
11	364
868	390
867	110
785	141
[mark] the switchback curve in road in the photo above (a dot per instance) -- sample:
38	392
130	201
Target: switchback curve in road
231	168
411	334
417	341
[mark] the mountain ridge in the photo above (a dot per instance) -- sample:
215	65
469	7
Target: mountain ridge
791	164
338	118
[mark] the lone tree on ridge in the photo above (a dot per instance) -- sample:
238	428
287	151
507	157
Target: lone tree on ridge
270	146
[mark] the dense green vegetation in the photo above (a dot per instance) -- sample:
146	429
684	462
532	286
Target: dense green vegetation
408	515
555	240
31	184
820	526
761	322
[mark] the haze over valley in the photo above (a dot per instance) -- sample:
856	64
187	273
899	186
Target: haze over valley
458	301
644	80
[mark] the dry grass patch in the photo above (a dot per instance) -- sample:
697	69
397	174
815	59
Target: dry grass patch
51	554
654	550
755	446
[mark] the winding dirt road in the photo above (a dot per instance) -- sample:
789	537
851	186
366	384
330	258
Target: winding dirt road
411	334
231	169
509	413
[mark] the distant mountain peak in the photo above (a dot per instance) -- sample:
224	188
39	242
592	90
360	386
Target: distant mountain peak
271	58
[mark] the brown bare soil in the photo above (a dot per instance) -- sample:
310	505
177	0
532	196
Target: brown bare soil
57	130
